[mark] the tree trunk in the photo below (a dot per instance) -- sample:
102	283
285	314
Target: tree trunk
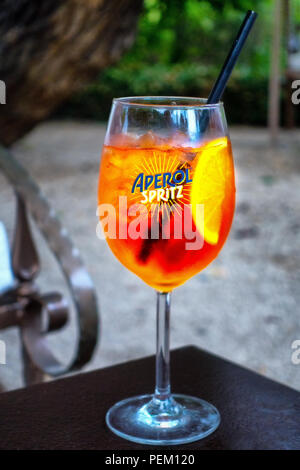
51	48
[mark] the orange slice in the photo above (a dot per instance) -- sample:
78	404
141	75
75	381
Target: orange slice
209	187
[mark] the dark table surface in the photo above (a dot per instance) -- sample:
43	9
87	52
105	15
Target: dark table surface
256	413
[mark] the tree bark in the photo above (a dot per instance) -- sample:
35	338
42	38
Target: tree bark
51	49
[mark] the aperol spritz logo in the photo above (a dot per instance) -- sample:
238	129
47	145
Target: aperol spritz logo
161	180
157	204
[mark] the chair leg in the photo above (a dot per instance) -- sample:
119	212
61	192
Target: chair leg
31	373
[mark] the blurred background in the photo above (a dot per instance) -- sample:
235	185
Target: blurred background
179	50
245	305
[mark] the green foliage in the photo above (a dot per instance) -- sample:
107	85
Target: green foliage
180	47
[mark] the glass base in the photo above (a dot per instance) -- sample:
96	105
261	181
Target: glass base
148	420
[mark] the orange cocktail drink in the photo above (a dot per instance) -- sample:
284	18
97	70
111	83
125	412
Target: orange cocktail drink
173	204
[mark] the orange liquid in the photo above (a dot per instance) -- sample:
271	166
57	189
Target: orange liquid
163	263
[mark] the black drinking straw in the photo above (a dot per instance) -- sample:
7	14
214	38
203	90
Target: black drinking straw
218	88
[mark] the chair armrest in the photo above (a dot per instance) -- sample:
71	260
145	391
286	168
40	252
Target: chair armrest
76	275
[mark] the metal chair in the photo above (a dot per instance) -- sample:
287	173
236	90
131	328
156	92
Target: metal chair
21	303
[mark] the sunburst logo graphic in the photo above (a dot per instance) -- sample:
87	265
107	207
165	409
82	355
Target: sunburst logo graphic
161	182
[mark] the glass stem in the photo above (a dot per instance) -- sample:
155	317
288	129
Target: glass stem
162	387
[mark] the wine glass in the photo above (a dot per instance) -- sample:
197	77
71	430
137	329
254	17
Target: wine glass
166	204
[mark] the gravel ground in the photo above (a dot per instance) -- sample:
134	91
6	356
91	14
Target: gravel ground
244	306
